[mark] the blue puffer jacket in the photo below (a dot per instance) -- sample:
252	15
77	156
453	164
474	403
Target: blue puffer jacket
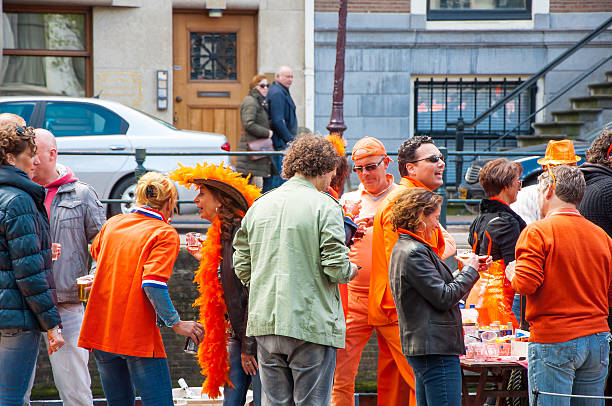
27	290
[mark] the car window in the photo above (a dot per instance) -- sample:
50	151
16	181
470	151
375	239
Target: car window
23	109
66	119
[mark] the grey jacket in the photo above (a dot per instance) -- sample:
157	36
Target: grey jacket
77	215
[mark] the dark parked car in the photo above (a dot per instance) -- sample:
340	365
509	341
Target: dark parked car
471	189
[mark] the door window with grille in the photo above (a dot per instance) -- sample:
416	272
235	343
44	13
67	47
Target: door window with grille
213	56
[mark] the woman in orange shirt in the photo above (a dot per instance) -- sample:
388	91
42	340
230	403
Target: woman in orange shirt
135	253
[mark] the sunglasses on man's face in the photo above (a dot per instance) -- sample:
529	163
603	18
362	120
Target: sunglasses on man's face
368	167
433	159
264	85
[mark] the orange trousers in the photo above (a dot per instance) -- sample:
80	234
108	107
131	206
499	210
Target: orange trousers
395	379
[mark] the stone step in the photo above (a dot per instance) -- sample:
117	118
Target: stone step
604	88
583	115
566	129
527	140
592	102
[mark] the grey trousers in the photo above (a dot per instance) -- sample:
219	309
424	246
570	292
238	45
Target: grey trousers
295	372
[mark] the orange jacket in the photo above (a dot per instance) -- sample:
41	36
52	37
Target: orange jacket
131	250
564	266
381	307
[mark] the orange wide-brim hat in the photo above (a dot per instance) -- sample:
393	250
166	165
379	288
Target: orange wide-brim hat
559	153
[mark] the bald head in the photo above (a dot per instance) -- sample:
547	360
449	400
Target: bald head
46	150
10	118
45	139
284	75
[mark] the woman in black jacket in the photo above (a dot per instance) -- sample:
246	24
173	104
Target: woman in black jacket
27	290
427	298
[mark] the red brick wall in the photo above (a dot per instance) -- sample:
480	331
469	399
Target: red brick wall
366	6
580	6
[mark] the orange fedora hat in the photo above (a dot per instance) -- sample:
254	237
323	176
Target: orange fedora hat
559	153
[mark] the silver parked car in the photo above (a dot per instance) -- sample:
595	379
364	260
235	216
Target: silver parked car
96	125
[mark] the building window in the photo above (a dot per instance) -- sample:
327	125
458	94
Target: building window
213	56
442	100
479	9
46	52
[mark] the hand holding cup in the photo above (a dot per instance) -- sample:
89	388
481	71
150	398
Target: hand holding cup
56	251
194	244
466	257
84	287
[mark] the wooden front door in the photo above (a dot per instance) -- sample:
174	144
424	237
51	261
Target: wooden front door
214	61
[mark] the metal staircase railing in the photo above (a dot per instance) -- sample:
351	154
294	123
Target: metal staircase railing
461	124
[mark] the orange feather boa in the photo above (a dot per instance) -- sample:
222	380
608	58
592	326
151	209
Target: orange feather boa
212	352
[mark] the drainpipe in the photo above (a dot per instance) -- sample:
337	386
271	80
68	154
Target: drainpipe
309	74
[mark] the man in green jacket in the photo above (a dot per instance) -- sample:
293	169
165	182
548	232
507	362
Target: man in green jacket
290	251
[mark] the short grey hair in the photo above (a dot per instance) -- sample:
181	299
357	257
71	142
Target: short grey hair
568	182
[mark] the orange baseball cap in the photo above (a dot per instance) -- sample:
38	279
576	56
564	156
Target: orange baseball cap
559	153
368	146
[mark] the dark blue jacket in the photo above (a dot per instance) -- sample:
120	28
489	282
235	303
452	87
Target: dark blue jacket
283	120
27	290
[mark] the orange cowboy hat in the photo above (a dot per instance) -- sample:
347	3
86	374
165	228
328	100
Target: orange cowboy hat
559	153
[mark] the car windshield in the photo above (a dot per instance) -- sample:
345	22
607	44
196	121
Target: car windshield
159	120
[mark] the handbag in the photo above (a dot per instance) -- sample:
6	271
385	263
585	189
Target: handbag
260	144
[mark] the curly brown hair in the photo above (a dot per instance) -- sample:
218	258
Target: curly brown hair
309	155
410	207
598	151
15	139
498	174
227	214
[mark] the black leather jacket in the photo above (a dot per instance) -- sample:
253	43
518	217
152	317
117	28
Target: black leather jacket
236	299
427	299
503	225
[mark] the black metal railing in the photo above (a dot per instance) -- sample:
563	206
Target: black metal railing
462	123
140	155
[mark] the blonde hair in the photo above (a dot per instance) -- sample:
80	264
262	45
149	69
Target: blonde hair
154	189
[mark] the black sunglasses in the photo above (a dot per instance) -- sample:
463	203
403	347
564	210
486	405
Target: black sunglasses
264	85
368	167
433	159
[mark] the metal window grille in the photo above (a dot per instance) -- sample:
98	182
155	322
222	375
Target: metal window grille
439	101
213	56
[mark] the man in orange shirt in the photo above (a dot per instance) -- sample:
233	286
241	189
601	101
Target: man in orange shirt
564	266
371	164
421	165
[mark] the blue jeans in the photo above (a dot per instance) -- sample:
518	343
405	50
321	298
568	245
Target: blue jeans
578	367
18	353
236	396
437	379
121	373
274	181
516	307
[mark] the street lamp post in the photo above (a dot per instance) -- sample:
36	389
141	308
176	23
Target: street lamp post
336	122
